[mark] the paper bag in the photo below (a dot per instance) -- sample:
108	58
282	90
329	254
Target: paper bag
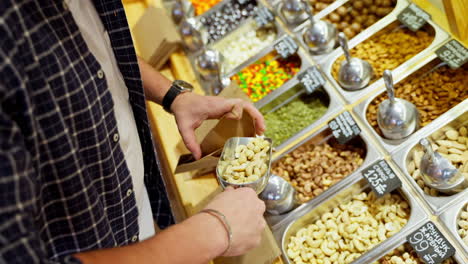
157	36
212	135
266	253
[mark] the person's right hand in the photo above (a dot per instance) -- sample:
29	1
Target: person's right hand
244	212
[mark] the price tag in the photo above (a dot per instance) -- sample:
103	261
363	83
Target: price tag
263	16
381	178
413	17
430	245
286	47
453	53
311	79
344	128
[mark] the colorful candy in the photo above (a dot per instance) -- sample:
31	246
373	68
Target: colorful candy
201	6
264	76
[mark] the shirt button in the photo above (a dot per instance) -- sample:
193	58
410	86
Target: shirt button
129	192
116	137
134	238
100	74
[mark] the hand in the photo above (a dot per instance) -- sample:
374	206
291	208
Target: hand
244	213
190	110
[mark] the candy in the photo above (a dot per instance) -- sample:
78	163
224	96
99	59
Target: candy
243	43
227	18
201	6
264	76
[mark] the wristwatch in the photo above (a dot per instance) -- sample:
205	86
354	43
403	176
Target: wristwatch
177	87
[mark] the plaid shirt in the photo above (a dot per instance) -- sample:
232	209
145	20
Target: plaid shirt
64	184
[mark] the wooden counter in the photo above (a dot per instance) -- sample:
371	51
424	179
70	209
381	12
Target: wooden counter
185	193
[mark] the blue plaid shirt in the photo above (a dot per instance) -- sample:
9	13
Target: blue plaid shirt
64	184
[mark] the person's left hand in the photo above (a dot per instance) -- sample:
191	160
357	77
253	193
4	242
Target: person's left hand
190	110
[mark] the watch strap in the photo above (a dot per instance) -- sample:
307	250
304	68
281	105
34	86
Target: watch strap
170	96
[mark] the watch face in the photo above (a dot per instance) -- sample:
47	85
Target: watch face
183	85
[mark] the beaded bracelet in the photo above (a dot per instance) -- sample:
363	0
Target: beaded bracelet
222	218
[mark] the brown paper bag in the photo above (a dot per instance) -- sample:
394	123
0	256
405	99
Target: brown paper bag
214	133
157	36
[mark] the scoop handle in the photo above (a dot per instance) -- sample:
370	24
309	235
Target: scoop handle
388	80
309	12
427	148
344	45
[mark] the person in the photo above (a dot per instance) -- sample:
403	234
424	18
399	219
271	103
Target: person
79	177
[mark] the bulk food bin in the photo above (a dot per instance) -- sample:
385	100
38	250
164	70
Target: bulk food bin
370	223
318	166
267	71
409	157
451	218
245	42
352	17
386	45
438	92
400	251
290	112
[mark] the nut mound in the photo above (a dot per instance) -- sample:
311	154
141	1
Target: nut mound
350	230
312	169
463	224
249	163
433	94
452	144
388	49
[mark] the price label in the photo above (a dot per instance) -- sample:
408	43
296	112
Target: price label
344	128
381	178
263	16
311	79
453	53
430	245
286	47
413	17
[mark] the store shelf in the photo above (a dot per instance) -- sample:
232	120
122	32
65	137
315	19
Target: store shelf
189	190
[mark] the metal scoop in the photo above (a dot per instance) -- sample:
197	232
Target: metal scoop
438	172
294	11
397	118
181	9
279	196
193	34
320	36
209	64
354	73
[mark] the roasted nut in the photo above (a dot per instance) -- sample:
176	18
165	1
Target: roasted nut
405	254
388	49
248	163
312	169
430	93
454	151
332	238
360	14
463	224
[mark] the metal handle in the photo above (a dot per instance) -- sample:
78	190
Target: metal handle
387	76
427	148
344	45
308	11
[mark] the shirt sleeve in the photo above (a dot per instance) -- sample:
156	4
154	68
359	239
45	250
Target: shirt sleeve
19	236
